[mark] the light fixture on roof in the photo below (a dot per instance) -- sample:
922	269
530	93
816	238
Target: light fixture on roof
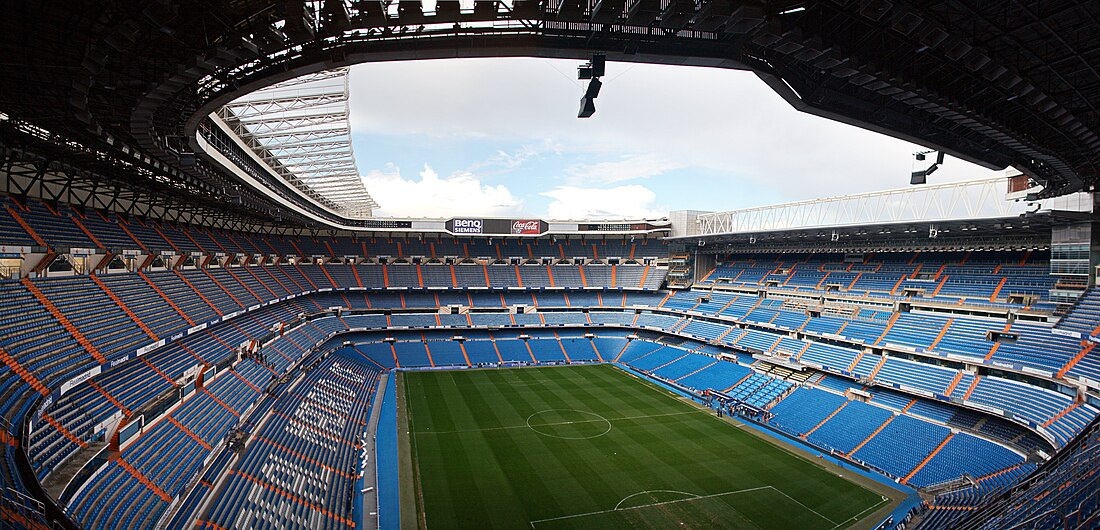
921	177
593	70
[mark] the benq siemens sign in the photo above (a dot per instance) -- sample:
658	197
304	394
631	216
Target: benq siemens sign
466	226
495	227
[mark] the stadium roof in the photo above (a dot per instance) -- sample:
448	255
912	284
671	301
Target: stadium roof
983	213
971	200
1000	84
301	129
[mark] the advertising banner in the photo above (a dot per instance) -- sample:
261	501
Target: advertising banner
497	227
468	226
526	226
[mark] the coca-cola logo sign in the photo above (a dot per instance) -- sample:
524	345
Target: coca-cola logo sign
525	226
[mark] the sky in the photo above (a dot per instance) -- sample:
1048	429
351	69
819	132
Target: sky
500	138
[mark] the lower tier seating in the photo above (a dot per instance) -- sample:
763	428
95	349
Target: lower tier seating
309	452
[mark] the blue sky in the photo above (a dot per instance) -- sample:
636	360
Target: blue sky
500	137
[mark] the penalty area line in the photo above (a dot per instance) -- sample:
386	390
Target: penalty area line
860	514
662	503
815	512
632	495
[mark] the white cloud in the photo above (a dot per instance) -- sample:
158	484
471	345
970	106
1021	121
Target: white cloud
463	97
521	155
621	202
432	196
726	124
628	167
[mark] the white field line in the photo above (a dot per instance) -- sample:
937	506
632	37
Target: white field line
697	497
524	426
806	507
692	498
684	493
860	514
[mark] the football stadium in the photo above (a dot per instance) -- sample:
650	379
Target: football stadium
204	322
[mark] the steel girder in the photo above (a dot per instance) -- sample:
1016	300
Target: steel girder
300	128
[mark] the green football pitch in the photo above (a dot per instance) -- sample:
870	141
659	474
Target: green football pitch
594	447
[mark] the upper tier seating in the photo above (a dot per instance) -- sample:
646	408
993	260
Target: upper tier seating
983	278
1085	316
63	227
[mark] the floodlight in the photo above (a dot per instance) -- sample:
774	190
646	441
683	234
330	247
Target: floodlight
593	88
599	64
593	70
920	177
588	108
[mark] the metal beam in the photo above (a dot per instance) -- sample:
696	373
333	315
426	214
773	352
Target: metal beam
300	129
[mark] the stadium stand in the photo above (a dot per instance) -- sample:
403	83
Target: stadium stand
902	445
317	444
955	459
804	409
849	426
165	273
1060	493
61	228
931	275
915	395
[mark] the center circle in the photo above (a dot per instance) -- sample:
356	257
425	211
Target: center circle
569	424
